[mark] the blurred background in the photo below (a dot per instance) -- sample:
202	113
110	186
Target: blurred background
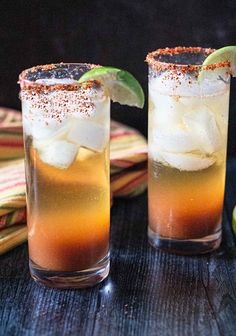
109	32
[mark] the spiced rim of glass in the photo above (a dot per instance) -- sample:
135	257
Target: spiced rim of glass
38	72
162	59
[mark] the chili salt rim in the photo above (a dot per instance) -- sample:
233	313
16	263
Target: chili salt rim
67	99
30	85
184	68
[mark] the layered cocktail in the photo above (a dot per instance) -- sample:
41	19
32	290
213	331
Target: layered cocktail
66	130
188	121
66	122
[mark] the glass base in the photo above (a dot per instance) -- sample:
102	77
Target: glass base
185	246
76	279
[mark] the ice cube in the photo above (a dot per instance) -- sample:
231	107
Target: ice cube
26	125
44	129
169	82
88	134
176	140
220	105
58	153
155	154
102	109
42	142
202	124
190	102
93	104
167	110
37	124
186	162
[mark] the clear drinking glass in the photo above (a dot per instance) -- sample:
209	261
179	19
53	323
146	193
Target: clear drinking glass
66	135
188	122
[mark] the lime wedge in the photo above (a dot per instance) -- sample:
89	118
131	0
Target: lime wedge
234	220
221	55
122	87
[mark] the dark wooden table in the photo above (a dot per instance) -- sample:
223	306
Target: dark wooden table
148	292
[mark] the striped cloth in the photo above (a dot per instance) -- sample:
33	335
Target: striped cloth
128	173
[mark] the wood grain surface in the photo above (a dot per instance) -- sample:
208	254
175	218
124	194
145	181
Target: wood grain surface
148	292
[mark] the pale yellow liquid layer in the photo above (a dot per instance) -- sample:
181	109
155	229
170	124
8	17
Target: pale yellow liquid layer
68	211
185	205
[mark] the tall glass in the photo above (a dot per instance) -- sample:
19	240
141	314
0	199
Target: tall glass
188	121
66	135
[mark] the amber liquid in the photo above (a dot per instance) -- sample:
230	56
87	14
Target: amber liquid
185	205
68	211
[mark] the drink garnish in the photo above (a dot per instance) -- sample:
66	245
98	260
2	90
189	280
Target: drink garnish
225	54
121	85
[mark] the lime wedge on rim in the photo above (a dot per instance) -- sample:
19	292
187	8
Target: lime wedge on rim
122	87
234	219
221	55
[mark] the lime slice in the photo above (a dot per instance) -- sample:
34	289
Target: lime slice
221	55
122	87
234	220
